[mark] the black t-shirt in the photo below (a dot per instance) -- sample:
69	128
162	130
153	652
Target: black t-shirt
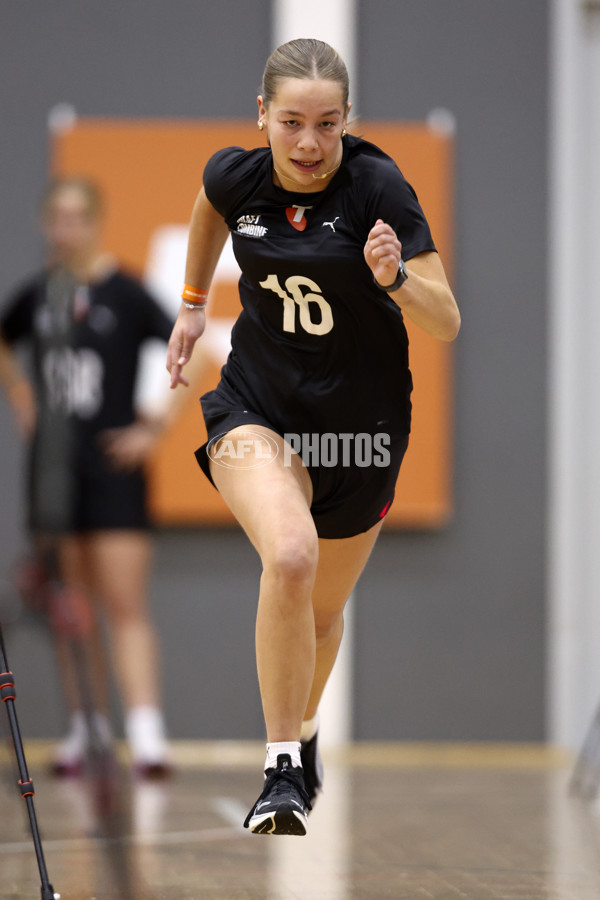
317	345
85	359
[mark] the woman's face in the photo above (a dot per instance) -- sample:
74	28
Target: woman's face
70	227
304	122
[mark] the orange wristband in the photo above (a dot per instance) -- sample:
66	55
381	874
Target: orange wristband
194	295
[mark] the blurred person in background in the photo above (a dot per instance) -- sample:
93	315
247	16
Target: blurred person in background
84	321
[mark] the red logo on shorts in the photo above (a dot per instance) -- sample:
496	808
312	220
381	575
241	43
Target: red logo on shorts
385	509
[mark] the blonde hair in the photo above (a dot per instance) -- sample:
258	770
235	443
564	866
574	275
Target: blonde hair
304	58
89	190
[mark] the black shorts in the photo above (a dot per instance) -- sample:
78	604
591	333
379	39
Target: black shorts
347	499
98	501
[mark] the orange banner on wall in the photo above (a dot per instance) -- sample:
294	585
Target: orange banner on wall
151	172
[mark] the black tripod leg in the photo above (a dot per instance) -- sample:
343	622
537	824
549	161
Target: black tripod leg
8	697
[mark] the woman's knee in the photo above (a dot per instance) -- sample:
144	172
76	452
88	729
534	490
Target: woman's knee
328	626
123	609
292	559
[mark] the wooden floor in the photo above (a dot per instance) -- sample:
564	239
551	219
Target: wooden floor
401	821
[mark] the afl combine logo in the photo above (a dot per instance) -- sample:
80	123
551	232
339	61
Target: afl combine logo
250	225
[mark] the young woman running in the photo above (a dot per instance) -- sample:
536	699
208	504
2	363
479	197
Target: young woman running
310	421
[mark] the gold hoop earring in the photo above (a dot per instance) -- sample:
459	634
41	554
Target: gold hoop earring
344	132
261	125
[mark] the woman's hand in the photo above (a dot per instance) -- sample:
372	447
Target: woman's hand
189	326
22	401
19	391
383	252
128	448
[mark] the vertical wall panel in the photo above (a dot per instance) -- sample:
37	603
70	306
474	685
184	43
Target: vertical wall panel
452	624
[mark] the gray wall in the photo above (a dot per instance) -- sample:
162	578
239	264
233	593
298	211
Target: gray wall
453	623
450	625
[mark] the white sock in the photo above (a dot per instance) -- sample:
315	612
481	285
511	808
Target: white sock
145	732
103	729
273	751
75	744
309	728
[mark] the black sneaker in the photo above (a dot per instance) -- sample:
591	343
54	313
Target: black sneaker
283	806
312	766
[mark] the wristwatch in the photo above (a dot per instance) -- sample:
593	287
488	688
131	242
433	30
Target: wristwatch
400	279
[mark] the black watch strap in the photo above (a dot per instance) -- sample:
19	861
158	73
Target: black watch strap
400	279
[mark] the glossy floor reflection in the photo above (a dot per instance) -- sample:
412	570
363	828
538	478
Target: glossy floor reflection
420	821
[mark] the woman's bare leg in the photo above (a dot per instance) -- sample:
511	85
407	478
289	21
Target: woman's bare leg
120	566
271	501
341	563
75	567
